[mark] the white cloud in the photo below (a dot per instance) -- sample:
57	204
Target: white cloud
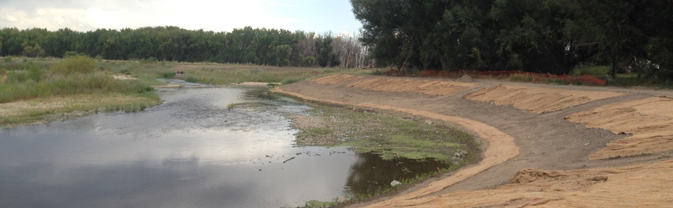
195	14
222	15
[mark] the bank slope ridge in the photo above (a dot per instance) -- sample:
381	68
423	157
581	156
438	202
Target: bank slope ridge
649	121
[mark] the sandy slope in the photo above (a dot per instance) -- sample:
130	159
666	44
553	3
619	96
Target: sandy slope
649	120
545	141
538	99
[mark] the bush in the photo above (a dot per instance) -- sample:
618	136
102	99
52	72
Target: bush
290	80
76	64
520	78
70	54
167	74
594	71
16	77
34	72
191	79
8	59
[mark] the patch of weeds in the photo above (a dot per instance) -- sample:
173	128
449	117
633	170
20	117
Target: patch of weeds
191	79
318	131
387	135
232	106
167	74
319	204
290	80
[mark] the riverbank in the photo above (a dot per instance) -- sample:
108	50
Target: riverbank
546	140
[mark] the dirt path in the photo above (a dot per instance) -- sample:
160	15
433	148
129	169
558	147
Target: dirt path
546	140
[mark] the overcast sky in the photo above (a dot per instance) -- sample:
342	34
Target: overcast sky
224	15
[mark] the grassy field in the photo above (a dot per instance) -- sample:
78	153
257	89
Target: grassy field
43	90
232	74
81	85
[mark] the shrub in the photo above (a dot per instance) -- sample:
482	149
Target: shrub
167	74
69	54
8	59
16	77
520	77
290	80
34	72
76	64
594	70
191	79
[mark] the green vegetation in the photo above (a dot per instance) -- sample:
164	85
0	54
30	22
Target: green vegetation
268	47
232	74
75	64
599	71
69	77
40	90
387	135
46	109
534	36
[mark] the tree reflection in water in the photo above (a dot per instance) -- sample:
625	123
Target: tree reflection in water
370	172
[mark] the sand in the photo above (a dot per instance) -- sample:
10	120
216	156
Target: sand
642	185
388	84
649	121
538	99
554	165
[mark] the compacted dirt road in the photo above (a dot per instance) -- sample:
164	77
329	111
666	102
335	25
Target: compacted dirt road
544	145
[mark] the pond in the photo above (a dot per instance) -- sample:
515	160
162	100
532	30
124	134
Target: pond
190	151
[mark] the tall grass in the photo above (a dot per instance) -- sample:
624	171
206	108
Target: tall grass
71	76
68	85
262	74
75	64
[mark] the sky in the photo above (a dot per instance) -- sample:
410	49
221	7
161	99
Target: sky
84	15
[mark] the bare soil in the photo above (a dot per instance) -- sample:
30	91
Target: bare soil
544	138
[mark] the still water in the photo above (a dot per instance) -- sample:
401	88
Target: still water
190	151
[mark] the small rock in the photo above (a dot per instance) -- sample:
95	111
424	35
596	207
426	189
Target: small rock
598	178
395	183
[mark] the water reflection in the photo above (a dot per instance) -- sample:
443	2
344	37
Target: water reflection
191	151
371	173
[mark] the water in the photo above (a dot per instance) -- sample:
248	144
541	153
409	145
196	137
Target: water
191	151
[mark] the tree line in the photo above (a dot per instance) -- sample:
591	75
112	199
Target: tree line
244	46
548	36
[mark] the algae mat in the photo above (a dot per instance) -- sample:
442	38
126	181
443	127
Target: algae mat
650	121
538	99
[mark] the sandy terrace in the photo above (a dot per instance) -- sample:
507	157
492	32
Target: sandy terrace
649	121
387	84
538	99
558	142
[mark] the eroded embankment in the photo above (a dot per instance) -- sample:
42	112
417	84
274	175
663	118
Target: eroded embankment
428	87
650	121
647	184
538	99
500	147
642	185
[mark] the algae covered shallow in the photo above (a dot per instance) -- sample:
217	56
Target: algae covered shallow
387	135
191	150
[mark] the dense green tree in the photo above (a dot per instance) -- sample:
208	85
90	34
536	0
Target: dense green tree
170	43
548	36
